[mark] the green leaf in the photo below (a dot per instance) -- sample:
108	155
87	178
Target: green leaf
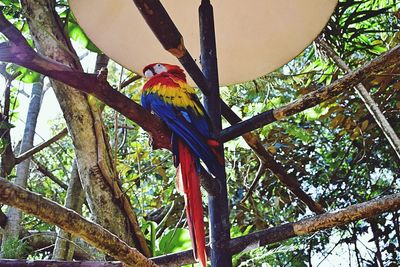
27	75
175	240
6	125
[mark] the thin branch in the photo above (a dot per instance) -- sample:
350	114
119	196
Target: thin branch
129	81
3	219
41	168
71	222
27	154
259	174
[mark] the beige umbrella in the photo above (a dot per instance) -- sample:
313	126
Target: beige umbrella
253	37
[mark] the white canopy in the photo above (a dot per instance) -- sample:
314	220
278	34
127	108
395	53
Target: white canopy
253	37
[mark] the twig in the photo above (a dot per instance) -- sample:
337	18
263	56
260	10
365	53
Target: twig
129	81
41	168
260	172
41	146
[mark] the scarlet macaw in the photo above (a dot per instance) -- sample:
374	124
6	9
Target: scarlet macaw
168	95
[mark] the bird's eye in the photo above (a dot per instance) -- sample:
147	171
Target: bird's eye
159	68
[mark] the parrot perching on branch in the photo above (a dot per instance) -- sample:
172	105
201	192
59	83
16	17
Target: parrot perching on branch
168	95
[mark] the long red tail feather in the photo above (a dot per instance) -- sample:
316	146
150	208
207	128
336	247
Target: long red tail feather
188	183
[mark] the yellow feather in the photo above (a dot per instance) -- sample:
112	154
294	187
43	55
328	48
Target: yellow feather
179	96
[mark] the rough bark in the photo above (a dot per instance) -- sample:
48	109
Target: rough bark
303	227
53	43
64	246
13	226
72	222
47	263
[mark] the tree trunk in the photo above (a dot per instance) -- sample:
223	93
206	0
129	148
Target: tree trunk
13	226
64	247
51	41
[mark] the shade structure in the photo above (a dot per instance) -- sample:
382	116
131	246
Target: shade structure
253	37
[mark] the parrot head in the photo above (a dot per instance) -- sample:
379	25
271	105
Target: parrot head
159	68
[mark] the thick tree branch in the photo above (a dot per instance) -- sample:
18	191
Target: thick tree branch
19	52
303	227
40	146
71	222
372	68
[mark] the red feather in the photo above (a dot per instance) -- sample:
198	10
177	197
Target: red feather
188	183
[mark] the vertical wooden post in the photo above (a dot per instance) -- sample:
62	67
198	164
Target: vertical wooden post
218	204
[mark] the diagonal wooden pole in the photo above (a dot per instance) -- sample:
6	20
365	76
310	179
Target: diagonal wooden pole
218	210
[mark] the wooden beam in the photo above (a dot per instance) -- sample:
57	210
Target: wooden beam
218	210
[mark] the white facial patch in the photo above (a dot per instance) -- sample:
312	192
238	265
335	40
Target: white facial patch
159	68
148	73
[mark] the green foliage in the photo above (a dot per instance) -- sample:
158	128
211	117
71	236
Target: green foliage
15	248
26	76
335	150
174	240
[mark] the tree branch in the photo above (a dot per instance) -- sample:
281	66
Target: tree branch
41	168
303	227
71	222
27	154
53	263
19	52
374	67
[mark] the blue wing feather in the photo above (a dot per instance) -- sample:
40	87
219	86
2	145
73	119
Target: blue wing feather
185	123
